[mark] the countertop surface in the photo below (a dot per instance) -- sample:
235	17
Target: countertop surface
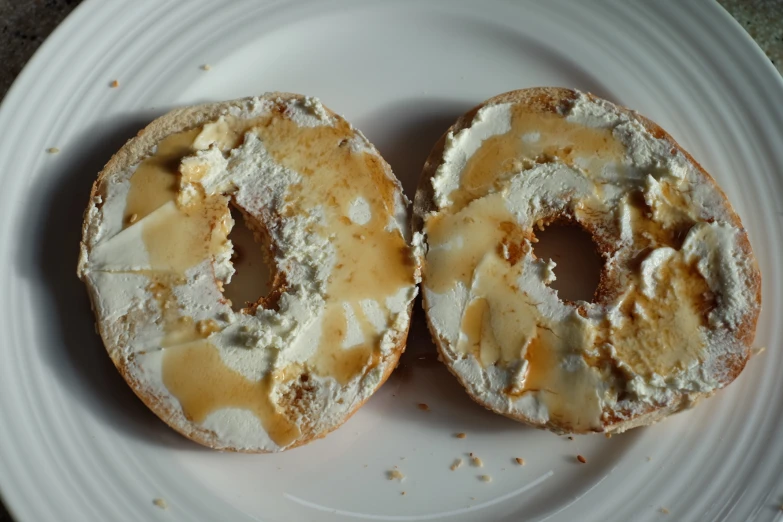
25	24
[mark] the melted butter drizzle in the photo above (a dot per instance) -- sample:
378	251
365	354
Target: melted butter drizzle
476	241
501	157
372	262
202	383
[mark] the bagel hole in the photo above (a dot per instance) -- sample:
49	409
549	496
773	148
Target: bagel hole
252	279
579	265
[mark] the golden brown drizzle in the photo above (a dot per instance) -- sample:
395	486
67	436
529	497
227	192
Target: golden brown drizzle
662	334
459	241
502	156
477	327
372	262
186	235
502	326
155	181
202	383
336	361
653	232
570	396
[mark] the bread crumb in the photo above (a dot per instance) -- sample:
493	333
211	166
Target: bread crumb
460	435
520	461
581	459
664	511
608	435
394	474
402	492
485	478
206	67
53	150
159	502
423	407
457	464
570	437
477	462
114	84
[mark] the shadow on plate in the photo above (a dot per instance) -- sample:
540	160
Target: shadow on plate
73	350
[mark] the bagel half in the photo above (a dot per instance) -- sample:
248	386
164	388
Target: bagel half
675	312
333	223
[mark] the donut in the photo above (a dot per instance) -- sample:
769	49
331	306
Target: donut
674	314
332	222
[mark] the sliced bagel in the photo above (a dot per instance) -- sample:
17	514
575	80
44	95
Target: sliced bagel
333	223
675	312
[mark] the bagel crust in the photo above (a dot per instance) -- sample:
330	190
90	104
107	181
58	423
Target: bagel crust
332	221
675	312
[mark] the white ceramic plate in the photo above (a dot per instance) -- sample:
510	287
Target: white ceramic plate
75	444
